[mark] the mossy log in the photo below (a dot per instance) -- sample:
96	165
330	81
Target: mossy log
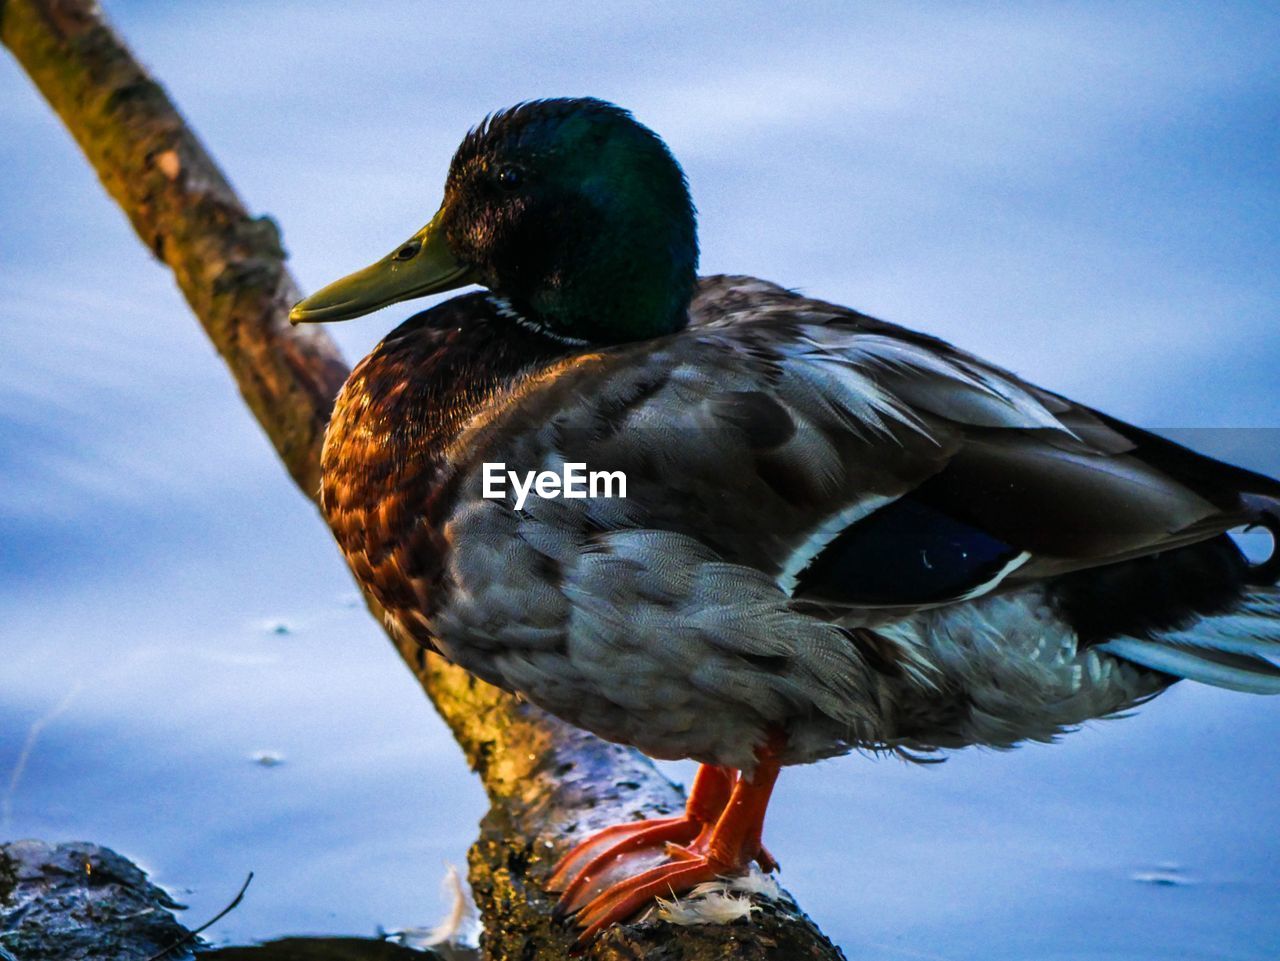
547	782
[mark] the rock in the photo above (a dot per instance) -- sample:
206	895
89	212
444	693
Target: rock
82	902
76	901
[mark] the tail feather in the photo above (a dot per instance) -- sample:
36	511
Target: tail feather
1239	650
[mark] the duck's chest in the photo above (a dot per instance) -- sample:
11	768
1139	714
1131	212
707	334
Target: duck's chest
389	464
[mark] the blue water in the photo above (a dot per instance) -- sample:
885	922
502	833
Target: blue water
1085	193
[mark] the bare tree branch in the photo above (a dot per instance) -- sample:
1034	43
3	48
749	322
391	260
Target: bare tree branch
547	782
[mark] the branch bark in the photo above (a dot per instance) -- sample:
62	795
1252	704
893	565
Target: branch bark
547	782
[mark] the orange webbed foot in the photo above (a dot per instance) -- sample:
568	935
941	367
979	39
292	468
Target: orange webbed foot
623	899
627	850
623	869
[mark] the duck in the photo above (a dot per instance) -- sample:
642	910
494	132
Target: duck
821	533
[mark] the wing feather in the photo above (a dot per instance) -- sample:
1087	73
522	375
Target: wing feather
775	425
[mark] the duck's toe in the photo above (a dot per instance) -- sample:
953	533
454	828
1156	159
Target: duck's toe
617	853
617	902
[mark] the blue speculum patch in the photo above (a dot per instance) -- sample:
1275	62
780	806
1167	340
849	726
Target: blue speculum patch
905	553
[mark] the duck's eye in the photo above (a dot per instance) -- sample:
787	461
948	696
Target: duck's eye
509	178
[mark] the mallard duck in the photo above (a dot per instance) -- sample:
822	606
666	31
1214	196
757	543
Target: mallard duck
837	534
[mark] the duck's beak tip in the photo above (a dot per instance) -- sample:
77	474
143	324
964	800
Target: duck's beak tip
424	265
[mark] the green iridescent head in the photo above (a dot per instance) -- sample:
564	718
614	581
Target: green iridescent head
569	209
